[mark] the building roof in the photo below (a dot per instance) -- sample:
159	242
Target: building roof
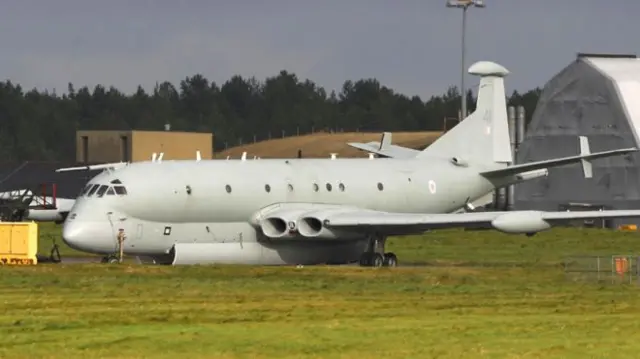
624	73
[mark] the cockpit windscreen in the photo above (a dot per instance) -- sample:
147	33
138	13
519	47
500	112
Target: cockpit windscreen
101	190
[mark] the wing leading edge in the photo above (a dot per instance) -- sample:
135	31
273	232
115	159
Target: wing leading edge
509	222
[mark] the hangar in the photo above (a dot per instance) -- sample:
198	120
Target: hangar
597	96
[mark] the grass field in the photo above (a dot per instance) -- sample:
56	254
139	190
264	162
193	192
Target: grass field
514	303
323	144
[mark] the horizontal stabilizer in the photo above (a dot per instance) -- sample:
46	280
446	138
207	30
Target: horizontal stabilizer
384	148
391	151
525	167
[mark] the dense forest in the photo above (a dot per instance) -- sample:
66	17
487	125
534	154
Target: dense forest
36	125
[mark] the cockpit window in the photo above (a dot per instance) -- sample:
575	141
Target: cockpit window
85	189
101	190
120	190
93	190
110	192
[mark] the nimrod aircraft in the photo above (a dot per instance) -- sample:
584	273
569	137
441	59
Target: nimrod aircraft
316	211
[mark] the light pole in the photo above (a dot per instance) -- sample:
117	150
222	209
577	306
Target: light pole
464	5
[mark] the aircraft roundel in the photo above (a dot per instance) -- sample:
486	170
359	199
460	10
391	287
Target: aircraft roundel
432	186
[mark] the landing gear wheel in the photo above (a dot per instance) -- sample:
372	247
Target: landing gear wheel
109	259
390	260
365	260
377	260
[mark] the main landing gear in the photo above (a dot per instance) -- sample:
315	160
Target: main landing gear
375	256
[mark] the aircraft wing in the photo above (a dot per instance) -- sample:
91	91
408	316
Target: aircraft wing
408	223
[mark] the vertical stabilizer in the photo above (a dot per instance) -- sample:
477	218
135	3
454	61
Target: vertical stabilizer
483	136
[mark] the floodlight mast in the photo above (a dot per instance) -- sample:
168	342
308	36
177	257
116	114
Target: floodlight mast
464	5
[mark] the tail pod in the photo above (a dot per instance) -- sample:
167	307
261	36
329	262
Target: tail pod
483	136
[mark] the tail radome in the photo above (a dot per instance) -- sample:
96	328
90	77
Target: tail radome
483	136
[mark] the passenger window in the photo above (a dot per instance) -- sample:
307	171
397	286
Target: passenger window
110	192
101	190
120	190
93	190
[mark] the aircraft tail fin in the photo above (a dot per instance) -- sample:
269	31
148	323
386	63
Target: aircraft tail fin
483	136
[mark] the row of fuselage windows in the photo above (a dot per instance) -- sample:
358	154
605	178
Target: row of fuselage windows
100	190
316	187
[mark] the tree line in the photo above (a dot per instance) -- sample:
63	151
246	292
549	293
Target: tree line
41	125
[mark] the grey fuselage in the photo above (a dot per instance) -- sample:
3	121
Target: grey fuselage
210	204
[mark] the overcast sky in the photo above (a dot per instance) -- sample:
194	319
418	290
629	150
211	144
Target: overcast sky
412	46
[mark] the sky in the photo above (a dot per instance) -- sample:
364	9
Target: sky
411	46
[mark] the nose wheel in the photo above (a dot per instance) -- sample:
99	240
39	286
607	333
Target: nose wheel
375	255
110	259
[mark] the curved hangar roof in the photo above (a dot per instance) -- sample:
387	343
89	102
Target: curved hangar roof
624	73
597	96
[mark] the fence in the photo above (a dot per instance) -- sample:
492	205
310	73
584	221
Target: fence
284	134
447	124
603	268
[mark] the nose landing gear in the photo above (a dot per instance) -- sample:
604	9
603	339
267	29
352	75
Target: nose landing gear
110	259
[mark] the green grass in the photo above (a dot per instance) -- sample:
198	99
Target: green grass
94	311
489	247
517	304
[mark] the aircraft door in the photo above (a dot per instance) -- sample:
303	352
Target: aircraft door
133	235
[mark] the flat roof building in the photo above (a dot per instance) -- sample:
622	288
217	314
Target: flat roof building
133	146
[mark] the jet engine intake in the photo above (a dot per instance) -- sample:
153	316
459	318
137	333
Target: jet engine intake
274	227
313	227
310	226
520	222
282	224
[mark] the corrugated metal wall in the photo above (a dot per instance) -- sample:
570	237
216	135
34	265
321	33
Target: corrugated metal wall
580	101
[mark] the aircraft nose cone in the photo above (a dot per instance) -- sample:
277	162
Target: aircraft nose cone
85	237
72	235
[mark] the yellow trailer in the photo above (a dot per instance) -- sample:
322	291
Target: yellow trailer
18	243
